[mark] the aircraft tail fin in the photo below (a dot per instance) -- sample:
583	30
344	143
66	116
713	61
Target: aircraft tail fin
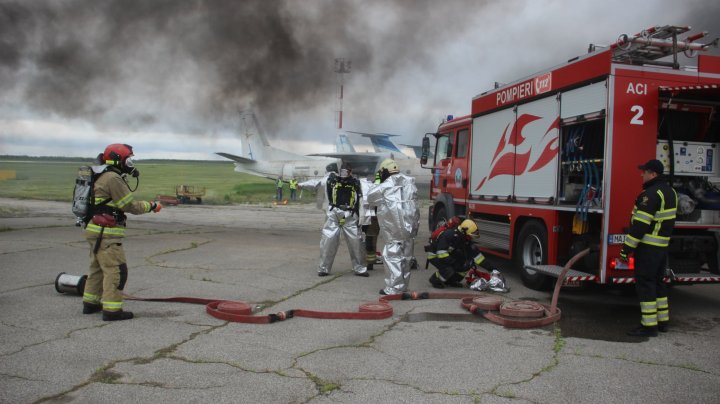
343	145
254	142
382	143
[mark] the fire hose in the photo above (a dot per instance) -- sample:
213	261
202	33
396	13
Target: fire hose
505	312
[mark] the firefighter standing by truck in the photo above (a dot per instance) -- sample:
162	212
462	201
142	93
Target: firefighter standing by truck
651	225
112	198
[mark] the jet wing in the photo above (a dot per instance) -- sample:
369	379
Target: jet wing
239	159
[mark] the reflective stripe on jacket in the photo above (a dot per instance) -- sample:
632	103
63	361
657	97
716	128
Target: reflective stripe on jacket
653	216
110	185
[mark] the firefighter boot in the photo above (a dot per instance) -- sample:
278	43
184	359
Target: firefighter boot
117	315
436	282
663	326
89	308
643	331
455	281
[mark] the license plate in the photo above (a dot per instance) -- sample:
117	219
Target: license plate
616	238
572	284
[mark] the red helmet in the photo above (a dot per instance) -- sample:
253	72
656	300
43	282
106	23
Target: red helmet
117	154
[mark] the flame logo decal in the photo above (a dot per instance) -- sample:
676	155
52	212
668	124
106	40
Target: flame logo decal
511	163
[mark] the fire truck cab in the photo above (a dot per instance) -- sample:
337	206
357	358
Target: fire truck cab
548	165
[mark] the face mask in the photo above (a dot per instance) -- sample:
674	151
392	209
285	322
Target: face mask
130	168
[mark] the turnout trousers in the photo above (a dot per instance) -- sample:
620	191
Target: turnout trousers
371	235
651	290
107	275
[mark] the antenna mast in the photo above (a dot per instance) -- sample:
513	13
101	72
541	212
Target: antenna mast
342	67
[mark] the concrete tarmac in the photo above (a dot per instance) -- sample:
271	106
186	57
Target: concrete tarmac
430	351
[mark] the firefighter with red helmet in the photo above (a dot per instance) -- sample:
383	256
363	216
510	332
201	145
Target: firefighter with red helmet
453	254
651	226
112	197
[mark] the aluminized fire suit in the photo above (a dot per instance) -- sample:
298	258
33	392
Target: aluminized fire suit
399	218
338	220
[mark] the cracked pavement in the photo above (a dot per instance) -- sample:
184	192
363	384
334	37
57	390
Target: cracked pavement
430	351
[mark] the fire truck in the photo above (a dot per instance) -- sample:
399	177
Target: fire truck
547	166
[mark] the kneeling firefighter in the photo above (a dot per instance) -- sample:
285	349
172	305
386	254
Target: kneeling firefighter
111	198
454	254
395	196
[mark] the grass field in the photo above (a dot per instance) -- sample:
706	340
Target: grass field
53	179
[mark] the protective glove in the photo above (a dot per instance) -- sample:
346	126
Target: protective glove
378	178
623	255
155	207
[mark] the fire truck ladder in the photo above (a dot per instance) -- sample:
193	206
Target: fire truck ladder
654	43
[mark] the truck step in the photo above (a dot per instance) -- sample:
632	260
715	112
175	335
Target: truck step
554	271
697	278
679	278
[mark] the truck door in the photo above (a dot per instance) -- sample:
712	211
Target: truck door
443	155
457	169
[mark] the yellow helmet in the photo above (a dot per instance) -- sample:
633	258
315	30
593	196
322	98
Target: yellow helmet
390	165
468	227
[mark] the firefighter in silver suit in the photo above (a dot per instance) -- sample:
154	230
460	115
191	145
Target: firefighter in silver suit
369	225
342	193
395	196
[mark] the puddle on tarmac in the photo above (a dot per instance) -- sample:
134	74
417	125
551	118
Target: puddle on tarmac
606	322
418	317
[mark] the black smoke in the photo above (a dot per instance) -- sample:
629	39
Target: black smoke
190	65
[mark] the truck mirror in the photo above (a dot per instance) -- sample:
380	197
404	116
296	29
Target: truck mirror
425	151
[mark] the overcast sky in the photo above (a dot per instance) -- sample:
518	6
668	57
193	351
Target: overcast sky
169	76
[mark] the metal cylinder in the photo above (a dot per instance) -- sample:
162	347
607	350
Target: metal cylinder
72	284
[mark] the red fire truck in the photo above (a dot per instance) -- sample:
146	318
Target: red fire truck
548	165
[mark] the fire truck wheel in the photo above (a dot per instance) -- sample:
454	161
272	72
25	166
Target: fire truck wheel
440	216
531	249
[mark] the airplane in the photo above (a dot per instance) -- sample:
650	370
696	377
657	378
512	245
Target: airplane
261	159
366	164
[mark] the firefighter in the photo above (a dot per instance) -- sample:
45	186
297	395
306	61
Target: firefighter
108	268
453	254
342	192
369	225
651	225
395	196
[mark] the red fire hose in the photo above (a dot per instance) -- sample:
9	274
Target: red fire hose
508	313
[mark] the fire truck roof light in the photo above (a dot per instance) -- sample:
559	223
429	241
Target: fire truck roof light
449	118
